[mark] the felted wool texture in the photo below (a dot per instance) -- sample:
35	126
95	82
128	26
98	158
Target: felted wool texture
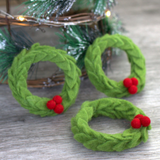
115	109
93	65
19	71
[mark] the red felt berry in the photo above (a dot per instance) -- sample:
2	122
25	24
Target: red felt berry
59	109
138	116
57	99
132	89
51	104
134	81
127	82
145	121
136	123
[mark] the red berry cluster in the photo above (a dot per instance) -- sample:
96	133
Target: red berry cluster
131	84
55	104
140	120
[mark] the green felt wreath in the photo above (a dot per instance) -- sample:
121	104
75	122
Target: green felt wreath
18	73
115	109
96	75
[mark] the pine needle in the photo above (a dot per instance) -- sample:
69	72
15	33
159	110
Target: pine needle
44	8
10	46
76	41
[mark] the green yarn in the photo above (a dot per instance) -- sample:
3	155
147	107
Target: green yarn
19	71
96	75
115	109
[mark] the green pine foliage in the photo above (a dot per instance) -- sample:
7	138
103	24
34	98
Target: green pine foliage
101	6
44	8
10	47
77	39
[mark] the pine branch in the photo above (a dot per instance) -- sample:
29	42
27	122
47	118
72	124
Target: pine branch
10	47
102	5
76	40
44	8
39	8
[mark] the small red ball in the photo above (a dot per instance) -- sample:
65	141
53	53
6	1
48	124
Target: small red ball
136	123
134	81
57	99
127	82
132	89
51	104
145	121
138	116
59	109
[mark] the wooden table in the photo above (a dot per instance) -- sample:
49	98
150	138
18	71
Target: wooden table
24	136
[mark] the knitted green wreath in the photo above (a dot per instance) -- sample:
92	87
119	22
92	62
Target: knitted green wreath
115	109
98	78
18	73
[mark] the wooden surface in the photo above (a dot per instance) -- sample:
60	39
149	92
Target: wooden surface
24	136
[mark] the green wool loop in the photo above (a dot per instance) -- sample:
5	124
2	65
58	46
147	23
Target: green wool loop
18	73
96	75
115	109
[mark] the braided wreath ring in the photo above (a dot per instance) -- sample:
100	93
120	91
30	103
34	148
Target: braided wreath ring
96	75
115	109
19	71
